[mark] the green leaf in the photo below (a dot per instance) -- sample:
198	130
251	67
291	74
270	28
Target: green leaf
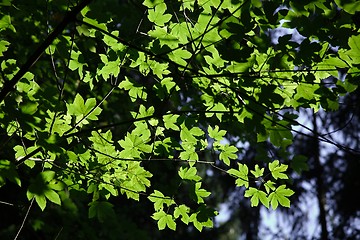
95	23
164	220
136	142
280	195
241	174
159	200
77	62
5	23
52	196
3	47
228	152
189	174
354	52
41	201
137	180
59	124
110	68
182	211
350	6
80	109
189	154
180	56
83	30
57	185
189	135
261	137
198	194
258	172
277	170
40	188
113	43
135	90
168	83
157	15
216	133
102	209
299	163
257	195
306	91
108	187
5	3
20	152
8	171
129	145
202	217
47	176
170	122
280	136
143	112
152	3
29	108
181	31
269	185
165	38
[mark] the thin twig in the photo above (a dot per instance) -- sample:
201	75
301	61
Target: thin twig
7	203
23	222
57	236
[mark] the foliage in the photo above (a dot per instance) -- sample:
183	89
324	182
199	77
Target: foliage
111	96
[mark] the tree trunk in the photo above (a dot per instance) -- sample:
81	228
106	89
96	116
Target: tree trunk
321	193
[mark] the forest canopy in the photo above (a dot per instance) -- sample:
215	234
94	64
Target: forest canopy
148	115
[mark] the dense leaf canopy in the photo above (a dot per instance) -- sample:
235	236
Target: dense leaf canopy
104	103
